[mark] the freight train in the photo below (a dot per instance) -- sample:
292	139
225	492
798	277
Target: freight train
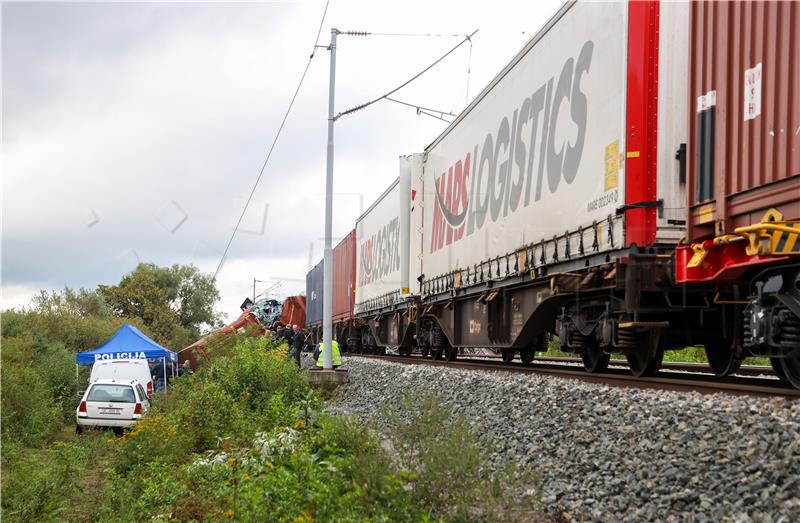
629	182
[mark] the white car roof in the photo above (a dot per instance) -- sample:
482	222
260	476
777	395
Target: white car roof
110	381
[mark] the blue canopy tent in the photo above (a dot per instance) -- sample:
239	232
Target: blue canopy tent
127	343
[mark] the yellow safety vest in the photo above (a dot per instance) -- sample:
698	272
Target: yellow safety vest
337	358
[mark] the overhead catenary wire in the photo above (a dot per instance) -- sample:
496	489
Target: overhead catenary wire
275	141
467	38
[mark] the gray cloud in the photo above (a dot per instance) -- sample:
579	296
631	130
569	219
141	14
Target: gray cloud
117	110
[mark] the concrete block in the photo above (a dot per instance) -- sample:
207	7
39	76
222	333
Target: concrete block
328	380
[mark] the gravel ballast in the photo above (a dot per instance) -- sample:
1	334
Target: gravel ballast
613	454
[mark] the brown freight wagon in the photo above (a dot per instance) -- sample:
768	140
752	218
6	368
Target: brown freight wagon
293	311
744	122
344	280
744	180
344	288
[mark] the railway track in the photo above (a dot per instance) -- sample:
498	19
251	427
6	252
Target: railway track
745	370
670	378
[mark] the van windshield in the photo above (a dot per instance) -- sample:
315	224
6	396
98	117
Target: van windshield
112	393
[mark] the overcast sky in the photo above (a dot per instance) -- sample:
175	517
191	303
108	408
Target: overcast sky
135	131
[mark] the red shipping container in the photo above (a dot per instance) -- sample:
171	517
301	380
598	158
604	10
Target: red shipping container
744	123
344	278
293	311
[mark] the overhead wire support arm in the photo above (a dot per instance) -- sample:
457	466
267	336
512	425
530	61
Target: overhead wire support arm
467	38
424	110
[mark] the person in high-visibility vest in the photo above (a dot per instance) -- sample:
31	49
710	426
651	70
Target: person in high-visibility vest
337	357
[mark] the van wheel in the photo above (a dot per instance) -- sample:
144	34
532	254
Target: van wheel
78	429
118	431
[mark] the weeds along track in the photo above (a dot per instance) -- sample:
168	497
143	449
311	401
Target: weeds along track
675	377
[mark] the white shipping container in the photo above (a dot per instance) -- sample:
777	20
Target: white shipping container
539	153
673	98
382	245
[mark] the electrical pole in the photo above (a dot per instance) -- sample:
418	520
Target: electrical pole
327	272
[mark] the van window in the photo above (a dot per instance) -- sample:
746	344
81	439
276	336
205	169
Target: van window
112	393
140	390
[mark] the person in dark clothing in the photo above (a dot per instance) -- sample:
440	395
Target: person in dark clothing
298	341
279	328
288	335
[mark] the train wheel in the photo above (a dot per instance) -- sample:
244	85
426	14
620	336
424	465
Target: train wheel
451	353
507	354
594	359
436	353
646	362
425	351
722	358
778	368
526	355
791	370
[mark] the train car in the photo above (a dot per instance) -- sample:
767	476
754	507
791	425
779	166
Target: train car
344	258
553	202
344	290
744	179
596	191
384	303
293	311
314	288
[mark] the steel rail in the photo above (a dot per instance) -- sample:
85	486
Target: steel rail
618	377
703	368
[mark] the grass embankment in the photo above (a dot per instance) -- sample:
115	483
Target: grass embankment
244	439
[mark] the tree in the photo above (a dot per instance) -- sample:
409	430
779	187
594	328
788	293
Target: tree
190	293
138	296
83	302
176	302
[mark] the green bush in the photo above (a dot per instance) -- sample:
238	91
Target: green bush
76	333
38	483
30	414
451	475
243	438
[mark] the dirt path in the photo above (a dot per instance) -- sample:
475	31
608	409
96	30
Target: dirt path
85	500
